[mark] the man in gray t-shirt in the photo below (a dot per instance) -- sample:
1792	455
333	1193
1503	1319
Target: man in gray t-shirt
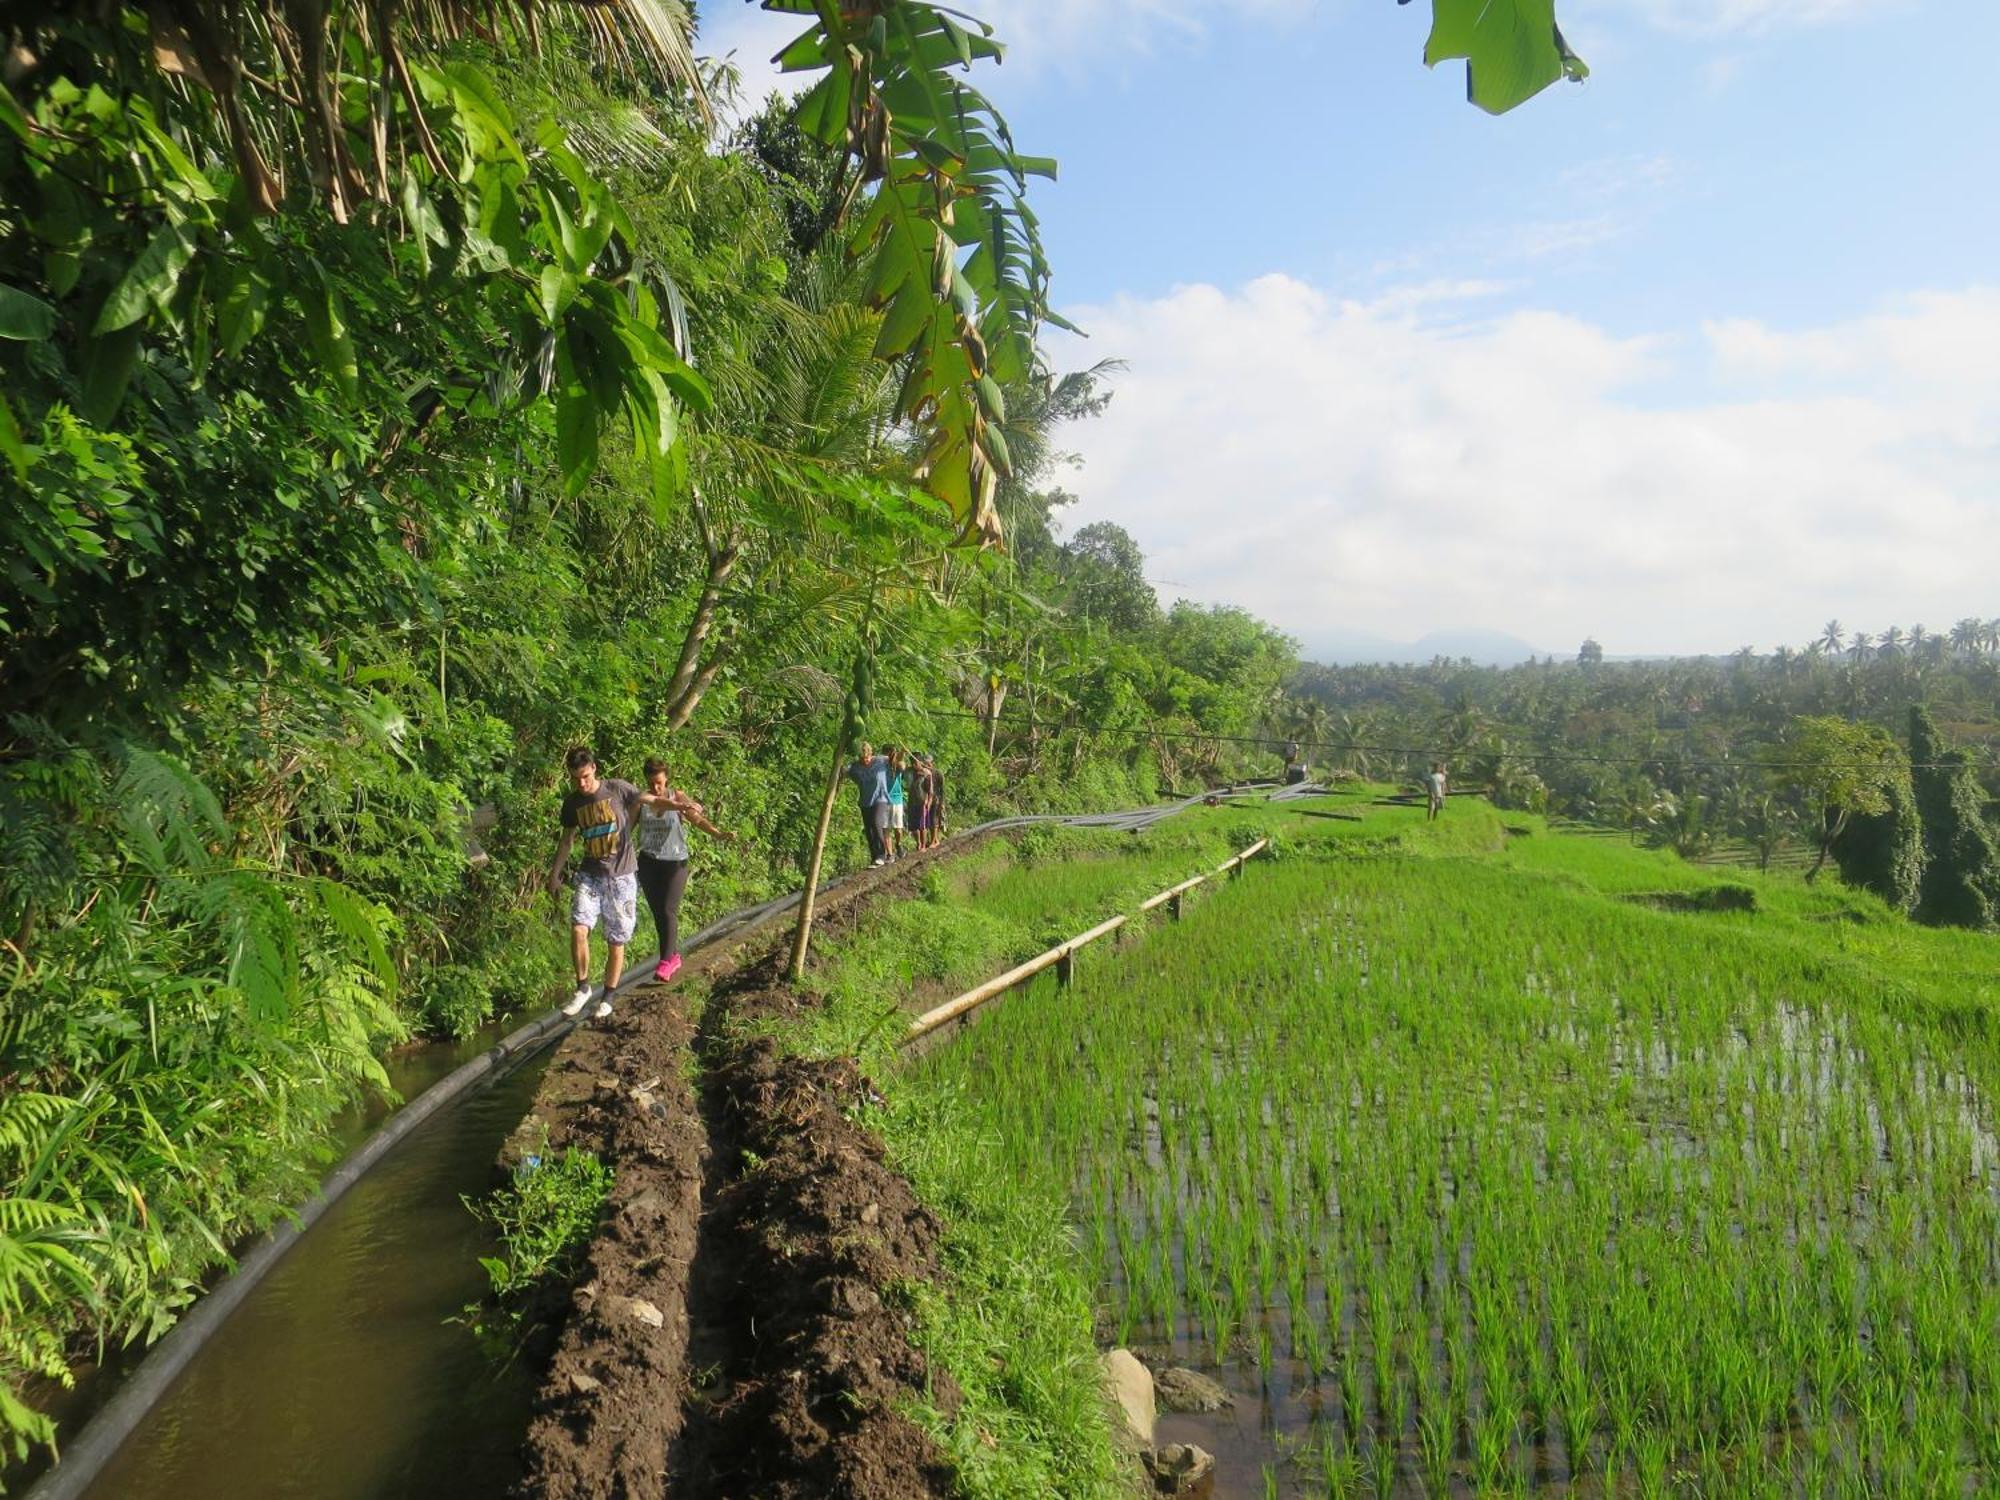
600	811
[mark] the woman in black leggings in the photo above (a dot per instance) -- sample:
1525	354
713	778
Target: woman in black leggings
663	862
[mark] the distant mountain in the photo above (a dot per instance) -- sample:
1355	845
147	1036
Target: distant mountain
1486	648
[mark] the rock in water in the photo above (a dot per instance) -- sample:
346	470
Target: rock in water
1182	1470
1132	1383
1190	1390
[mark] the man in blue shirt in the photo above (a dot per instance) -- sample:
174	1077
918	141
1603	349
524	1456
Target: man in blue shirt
870	775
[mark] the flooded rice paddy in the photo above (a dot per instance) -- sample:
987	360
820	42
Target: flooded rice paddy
1470	1181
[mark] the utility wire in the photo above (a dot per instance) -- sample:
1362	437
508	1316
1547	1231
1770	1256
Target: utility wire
1431	751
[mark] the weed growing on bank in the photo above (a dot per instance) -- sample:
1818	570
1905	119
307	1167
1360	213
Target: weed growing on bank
544	1216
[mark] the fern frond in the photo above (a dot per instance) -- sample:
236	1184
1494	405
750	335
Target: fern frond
361	923
260	938
172	819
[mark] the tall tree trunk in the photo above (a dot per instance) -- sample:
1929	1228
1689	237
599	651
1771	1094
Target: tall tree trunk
1813	873
1827	839
996	694
808	898
691	700
691	677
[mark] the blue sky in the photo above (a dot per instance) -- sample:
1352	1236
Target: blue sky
1696	354
1779	173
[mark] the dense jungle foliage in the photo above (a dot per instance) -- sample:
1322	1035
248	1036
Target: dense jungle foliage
388	406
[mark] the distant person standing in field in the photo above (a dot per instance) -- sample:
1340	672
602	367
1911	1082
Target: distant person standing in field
1436	785
663	861
870	775
607	882
899	787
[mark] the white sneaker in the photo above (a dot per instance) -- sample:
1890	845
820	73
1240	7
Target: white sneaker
602	1010
878	864
577	1001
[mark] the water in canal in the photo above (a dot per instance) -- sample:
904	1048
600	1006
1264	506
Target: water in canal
339	1378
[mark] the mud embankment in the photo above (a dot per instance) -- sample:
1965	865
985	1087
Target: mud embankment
737	1327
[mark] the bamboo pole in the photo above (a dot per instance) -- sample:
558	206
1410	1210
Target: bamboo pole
1170	894
972	999
802	935
1235	862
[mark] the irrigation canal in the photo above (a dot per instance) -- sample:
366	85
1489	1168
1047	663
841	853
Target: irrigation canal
339	1377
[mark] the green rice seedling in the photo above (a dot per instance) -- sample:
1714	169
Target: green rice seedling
1577	1401
1340	1466
1437	1434
1575	1168
1652	1466
1353	1414
1384	1466
1492	1442
1308	1339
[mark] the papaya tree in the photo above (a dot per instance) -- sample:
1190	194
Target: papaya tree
1843	769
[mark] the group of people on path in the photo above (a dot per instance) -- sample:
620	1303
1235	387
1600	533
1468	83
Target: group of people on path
902	792
633	841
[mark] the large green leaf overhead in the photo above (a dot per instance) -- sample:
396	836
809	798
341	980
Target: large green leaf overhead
957	267
1513	49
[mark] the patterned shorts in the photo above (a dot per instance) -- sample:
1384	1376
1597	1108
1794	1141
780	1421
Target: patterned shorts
614	897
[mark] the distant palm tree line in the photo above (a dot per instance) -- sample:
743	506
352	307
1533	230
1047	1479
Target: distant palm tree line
1678	750
1968	638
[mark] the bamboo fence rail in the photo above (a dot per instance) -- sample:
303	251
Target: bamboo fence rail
1062	957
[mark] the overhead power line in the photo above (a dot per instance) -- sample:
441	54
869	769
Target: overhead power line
1364	747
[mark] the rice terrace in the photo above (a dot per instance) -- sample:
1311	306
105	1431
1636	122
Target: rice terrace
714	786
1472	1165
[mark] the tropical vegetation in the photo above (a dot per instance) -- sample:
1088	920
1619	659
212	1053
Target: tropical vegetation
393	395
1780	756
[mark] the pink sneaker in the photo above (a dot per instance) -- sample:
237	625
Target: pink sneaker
667	968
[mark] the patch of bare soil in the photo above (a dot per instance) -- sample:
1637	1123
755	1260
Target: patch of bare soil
735	1329
610	1401
805	1242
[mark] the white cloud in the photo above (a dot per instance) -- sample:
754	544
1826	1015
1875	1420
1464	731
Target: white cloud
1721	71
1401	465
1751	17
1550	239
1610	177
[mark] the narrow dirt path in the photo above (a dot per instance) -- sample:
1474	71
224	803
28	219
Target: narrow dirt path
612	1391
734	1329
805	1235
